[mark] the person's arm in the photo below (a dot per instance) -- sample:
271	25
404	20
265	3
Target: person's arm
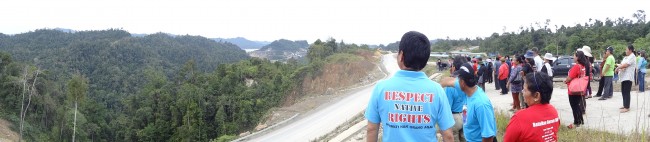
372	132
626	63
572	74
447	135
448	82
490	139
446	120
372	114
521	73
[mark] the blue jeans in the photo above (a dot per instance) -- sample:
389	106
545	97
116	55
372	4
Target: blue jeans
641	77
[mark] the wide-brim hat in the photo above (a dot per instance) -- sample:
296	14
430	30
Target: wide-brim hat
587	51
549	56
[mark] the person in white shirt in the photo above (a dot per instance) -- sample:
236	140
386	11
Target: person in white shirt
547	68
538	60
626	75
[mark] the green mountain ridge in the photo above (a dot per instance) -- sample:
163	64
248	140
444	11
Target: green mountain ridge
115	53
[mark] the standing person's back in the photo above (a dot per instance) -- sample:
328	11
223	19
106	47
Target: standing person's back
409	105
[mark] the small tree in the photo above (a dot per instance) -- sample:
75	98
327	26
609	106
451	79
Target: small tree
77	88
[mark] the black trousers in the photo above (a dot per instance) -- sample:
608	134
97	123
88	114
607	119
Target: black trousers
601	84
576	107
504	90
497	83
626	87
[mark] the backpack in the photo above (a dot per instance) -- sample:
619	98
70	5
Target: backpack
545	70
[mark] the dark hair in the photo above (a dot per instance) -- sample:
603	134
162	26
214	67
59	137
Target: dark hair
631	47
530	61
535	50
542	83
520	59
643	55
582	59
416	49
458	61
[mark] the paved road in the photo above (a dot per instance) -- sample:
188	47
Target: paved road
327	117
601	115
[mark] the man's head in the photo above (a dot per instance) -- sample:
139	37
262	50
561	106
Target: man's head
465	75
458	61
414	51
609	50
535	51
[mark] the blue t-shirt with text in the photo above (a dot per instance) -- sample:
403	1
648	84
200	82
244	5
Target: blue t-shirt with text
409	105
480	117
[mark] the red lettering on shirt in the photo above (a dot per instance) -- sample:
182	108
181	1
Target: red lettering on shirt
408	96
408	118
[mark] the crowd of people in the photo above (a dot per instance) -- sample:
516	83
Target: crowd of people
409	105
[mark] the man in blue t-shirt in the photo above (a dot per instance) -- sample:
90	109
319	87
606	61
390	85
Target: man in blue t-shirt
456	101
409	105
480	124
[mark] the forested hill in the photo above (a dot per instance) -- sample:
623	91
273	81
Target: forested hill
113	60
563	39
286	45
110	86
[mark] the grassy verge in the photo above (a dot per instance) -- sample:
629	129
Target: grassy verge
570	135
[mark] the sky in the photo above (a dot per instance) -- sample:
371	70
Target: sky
353	21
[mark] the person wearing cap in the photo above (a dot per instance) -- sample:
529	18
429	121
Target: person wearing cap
626	73
587	51
456	100
515	83
607	74
480	124
409	104
642	63
529	63
588	72
525	126
538	60
548	68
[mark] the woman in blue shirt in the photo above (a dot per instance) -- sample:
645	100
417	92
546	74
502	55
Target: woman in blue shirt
642	63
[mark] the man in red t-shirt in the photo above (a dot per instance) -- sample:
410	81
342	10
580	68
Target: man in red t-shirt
540	121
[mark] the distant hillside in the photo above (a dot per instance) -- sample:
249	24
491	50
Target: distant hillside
282	50
113	60
286	45
243	43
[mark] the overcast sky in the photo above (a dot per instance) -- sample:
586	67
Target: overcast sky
354	21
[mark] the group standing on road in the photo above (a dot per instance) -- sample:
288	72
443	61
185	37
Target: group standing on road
408	105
